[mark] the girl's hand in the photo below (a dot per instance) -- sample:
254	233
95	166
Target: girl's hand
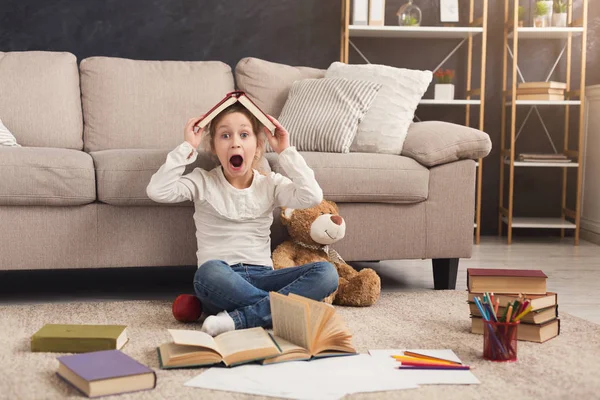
190	135
281	139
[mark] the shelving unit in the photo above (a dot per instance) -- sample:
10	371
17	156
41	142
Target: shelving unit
570	218
465	35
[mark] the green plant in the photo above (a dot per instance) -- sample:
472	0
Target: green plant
560	6
409	20
521	13
541	9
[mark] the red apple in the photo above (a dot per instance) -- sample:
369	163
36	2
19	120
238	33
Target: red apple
187	308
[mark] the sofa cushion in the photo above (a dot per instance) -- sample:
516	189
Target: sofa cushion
123	175
130	104
433	143
366	177
46	176
269	83
40	98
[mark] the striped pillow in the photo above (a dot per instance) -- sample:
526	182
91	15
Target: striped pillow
323	114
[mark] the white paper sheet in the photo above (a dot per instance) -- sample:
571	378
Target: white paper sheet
328	378
427	377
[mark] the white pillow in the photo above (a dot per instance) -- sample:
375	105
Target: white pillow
385	126
323	114
7	138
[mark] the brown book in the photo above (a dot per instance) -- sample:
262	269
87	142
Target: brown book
541	91
542	97
305	329
538	333
540	156
534	317
196	348
536	301
542	85
506	280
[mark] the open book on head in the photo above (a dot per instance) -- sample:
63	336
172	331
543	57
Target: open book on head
196	348
305	329
231	98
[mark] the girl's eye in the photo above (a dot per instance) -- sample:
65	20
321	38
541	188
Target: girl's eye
244	135
225	136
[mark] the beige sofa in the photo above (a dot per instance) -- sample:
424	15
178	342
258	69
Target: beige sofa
74	195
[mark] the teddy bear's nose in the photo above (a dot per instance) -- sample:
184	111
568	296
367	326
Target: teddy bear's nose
337	219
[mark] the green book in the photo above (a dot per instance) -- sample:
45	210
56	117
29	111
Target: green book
60	338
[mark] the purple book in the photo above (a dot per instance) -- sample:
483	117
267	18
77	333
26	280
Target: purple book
104	365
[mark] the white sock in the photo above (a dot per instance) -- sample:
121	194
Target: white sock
216	324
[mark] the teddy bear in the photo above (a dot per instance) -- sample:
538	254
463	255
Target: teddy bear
312	231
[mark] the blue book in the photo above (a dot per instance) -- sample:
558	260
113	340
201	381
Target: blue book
103	373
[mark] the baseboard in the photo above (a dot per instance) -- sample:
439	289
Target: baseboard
590	236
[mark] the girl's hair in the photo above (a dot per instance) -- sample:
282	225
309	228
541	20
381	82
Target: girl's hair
257	128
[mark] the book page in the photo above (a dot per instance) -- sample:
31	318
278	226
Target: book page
242	340
257	112
290	319
216	111
319	315
194	338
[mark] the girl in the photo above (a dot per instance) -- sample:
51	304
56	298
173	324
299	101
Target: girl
233	214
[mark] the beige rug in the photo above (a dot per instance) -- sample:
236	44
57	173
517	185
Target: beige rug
567	366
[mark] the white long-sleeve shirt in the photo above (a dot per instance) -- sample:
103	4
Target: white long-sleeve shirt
234	225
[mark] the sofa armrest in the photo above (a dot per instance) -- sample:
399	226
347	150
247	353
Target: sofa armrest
433	143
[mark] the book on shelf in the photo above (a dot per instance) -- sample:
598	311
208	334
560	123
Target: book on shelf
541	97
542	85
541	91
191	348
78	338
305	329
544	156
538	333
506	280
534	317
107	372
234	97
537	301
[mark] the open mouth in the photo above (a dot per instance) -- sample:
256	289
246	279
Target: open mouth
236	161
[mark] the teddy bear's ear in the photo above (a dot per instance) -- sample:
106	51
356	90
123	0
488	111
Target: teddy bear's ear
335	207
286	214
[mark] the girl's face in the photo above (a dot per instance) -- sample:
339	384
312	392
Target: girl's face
235	145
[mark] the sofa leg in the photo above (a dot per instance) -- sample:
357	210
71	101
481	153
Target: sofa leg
444	273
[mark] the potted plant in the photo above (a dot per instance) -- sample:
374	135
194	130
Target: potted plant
559	17
444	88
541	14
521	12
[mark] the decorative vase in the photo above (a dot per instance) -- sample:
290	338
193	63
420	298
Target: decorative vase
540	21
559	20
443	91
548	15
409	15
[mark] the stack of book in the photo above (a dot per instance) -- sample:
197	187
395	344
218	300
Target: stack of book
513	285
541	91
545	158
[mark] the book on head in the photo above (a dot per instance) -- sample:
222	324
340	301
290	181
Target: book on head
65	338
196	348
102	373
232	98
506	280
305	329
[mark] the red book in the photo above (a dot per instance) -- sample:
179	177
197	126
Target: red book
529	281
234	97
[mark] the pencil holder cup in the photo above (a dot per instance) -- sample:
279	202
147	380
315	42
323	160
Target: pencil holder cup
500	341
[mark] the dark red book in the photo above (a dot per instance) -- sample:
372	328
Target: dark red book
529	281
234	97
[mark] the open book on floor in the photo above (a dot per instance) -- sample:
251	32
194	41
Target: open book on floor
305	329
196	348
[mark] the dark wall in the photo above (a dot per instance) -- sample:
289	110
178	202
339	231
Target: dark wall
306	32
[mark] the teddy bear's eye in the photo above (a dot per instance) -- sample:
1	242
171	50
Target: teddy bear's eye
322	213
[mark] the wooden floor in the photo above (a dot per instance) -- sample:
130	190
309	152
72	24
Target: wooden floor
573	271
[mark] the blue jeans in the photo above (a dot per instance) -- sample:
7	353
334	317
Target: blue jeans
243	290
